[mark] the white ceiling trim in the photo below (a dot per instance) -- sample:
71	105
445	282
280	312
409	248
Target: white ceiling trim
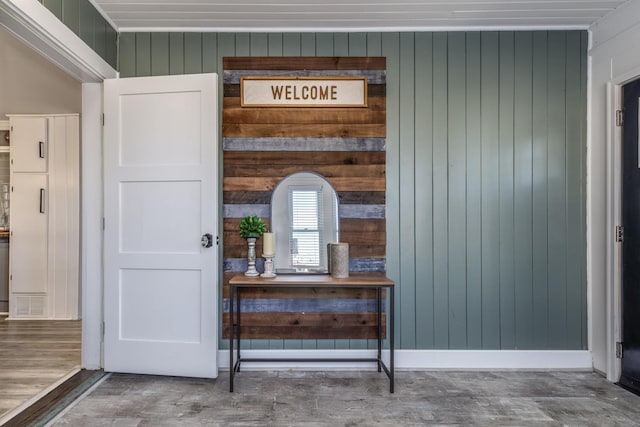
349	29
37	27
352	15
103	14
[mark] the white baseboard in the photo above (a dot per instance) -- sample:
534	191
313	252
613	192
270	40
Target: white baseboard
62	319
421	359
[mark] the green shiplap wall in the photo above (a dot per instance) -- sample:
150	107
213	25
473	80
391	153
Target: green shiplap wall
486	152
86	22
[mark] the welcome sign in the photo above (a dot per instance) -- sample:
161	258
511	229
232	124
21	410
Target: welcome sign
303	91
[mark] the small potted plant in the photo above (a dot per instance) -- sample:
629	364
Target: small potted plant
251	228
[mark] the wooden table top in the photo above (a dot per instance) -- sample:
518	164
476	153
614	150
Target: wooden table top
311	280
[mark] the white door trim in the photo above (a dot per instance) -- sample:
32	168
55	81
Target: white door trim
614	188
92	213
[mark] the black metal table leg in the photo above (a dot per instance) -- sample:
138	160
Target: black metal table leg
231	328
238	293
391	338
379	301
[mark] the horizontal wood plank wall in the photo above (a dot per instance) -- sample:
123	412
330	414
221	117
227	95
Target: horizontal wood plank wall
485	172
261	146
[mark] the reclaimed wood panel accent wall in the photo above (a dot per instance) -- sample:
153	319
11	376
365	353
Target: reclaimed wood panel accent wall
261	146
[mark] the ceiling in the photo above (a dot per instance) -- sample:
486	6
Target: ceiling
351	15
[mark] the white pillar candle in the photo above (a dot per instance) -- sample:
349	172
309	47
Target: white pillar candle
268	247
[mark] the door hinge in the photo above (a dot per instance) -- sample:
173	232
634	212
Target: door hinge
102	119
619	233
619	117
217	240
618	350
104	222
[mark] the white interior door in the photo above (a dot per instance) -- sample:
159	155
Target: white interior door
160	283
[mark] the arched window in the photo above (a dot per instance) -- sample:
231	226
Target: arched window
306	232
304	218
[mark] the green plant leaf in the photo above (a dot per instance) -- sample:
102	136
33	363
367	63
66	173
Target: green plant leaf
252	226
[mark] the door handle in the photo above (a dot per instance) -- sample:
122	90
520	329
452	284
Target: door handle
42	200
41	149
206	240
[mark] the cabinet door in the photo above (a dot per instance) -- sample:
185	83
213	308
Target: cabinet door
29	144
29	206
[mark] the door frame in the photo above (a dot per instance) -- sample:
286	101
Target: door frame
34	25
613	218
92	193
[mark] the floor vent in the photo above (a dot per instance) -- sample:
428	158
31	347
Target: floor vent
30	306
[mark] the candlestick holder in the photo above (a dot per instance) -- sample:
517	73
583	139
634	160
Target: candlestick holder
268	266
251	258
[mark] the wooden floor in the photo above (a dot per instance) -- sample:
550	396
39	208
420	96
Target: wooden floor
33	355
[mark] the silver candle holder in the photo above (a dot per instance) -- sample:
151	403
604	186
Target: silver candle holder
251	258
269	271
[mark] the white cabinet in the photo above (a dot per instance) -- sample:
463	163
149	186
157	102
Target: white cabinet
45	204
29	141
29	227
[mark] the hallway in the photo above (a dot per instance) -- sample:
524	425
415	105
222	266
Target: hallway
356	398
34	354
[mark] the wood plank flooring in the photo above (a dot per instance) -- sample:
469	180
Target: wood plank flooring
33	355
55	401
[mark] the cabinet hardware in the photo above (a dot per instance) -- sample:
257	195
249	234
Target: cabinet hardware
41	149
42	200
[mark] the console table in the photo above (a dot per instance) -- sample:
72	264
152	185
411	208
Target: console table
359	281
